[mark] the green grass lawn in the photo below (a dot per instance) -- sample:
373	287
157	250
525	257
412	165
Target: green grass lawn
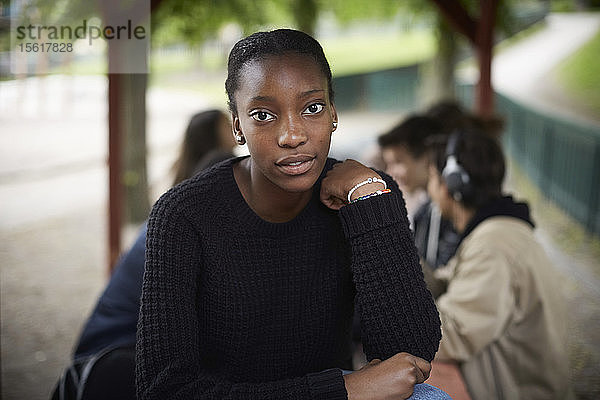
360	54
580	73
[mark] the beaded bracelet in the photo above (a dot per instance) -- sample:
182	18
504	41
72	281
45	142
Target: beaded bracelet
366	182
377	193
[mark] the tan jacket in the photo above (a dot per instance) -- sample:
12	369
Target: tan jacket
503	315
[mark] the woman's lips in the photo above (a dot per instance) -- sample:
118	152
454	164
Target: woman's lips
295	165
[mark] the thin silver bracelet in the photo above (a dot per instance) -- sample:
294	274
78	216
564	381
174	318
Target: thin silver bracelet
366	182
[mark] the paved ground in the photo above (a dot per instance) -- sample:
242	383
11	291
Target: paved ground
53	182
523	71
53	221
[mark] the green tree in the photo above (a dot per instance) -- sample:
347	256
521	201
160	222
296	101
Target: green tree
305	13
192	22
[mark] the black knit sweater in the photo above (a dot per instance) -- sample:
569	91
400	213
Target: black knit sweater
239	308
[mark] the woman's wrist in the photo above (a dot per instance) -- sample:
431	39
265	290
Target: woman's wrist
351	386
368	196
366	187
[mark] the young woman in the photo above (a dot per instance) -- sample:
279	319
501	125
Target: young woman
253	267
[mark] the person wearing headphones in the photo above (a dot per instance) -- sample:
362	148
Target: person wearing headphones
503	317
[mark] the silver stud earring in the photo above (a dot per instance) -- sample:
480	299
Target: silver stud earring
240	139
334	125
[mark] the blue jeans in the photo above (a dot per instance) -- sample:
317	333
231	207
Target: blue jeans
423	391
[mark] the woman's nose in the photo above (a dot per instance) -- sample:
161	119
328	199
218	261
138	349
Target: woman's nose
292	135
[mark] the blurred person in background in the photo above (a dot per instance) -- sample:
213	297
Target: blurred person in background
208	132
107	341
503	316
404	152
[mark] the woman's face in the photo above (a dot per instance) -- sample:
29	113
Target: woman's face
284	112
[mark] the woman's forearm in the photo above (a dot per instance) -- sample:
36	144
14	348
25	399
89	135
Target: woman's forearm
397	310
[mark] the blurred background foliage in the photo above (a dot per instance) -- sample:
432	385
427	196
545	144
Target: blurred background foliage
194	37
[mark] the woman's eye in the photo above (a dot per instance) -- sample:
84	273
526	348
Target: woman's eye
261	116
314	108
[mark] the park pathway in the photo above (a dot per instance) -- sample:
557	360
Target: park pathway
523	70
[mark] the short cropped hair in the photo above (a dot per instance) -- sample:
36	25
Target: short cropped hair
412	133
260	45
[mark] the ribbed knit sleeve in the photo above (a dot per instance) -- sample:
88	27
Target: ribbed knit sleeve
397	311
169	349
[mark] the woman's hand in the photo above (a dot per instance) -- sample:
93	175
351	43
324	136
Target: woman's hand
392	379
342	178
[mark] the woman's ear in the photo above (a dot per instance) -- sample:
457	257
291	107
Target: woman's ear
236	128
235	124
334	118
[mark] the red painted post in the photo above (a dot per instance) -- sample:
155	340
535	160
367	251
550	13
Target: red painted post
485	46
115	191
480	33
115	150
